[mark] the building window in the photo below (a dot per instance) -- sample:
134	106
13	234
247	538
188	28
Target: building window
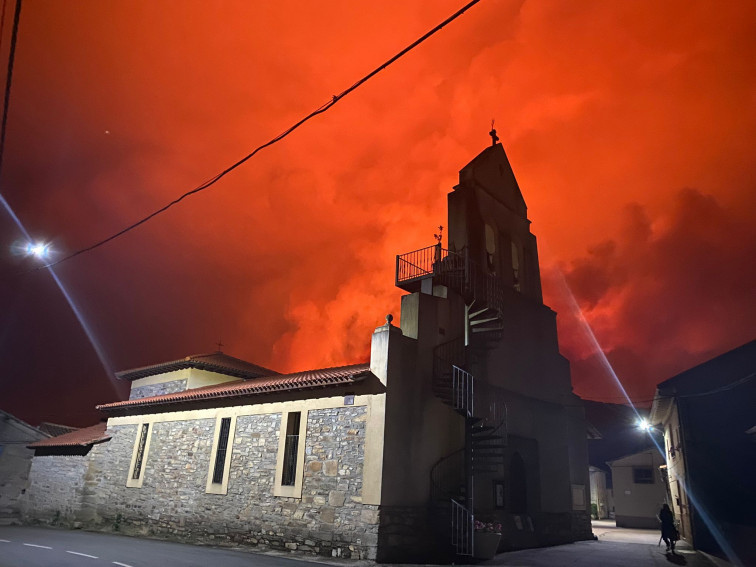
291	454
139	456
289	474
140	451
643	475
220	454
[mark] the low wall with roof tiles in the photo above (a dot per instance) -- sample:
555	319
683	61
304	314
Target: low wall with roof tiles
329	519
56	488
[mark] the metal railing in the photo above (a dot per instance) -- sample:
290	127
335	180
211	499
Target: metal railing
453	269
420	263
448	476
462	391
450	381
463	528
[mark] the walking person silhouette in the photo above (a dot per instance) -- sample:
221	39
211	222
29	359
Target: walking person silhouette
668	530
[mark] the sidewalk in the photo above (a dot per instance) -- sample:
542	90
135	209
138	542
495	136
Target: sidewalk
615	547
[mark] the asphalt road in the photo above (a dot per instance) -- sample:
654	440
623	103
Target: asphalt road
43	547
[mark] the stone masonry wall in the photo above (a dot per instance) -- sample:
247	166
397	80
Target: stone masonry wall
55	491
329	519
158	389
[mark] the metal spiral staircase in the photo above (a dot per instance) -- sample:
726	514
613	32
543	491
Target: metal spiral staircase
452	478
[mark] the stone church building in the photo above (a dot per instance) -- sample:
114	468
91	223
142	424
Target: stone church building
464	413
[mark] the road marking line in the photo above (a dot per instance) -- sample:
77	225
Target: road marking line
82	554
5	540
121	564
35	545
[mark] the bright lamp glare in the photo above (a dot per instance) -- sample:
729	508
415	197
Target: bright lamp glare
644	425
38	250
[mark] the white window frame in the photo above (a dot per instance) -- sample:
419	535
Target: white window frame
296	490
132	482
214	487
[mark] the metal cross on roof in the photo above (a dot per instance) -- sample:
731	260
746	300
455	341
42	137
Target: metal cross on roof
492	133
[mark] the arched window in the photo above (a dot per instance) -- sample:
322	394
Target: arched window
490	248
515	267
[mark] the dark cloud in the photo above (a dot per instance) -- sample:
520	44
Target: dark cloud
666	294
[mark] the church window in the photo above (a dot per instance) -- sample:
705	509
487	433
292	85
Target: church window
515	267
291	447
220	454
490	248
291	453
139	456
220	461
140	451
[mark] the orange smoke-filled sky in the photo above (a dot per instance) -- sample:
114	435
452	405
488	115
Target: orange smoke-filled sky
631	129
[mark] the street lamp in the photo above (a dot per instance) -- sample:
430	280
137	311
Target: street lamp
40	250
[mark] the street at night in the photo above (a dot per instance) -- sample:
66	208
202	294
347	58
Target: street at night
397	282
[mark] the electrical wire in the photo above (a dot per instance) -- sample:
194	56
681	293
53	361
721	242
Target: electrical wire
320	110
11	56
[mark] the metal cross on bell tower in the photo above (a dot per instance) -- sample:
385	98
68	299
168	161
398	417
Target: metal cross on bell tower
492	133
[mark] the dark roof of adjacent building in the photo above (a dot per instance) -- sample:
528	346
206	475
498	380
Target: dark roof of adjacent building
77	438
55	429
214	362
734	365
321	378
720	374
15	430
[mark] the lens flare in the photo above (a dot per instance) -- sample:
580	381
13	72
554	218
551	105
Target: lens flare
643	422
39	250
42	251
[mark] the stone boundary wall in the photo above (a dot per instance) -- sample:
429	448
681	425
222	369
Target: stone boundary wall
158	389
56	487
329	519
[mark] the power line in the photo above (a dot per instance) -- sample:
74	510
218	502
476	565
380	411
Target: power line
11	56
320	110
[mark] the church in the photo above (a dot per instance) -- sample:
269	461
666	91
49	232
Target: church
461	426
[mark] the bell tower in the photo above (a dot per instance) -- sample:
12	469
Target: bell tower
488	215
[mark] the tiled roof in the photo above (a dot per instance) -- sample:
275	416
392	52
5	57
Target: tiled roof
214	361
78	437
54	429
280	383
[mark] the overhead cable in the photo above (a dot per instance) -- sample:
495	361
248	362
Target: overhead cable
320	110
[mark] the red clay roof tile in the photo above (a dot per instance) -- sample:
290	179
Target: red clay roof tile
86	436
284	382
213	361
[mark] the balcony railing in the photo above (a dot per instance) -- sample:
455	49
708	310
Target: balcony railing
454	270
420	263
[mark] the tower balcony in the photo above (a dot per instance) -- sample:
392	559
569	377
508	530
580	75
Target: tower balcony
431	263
